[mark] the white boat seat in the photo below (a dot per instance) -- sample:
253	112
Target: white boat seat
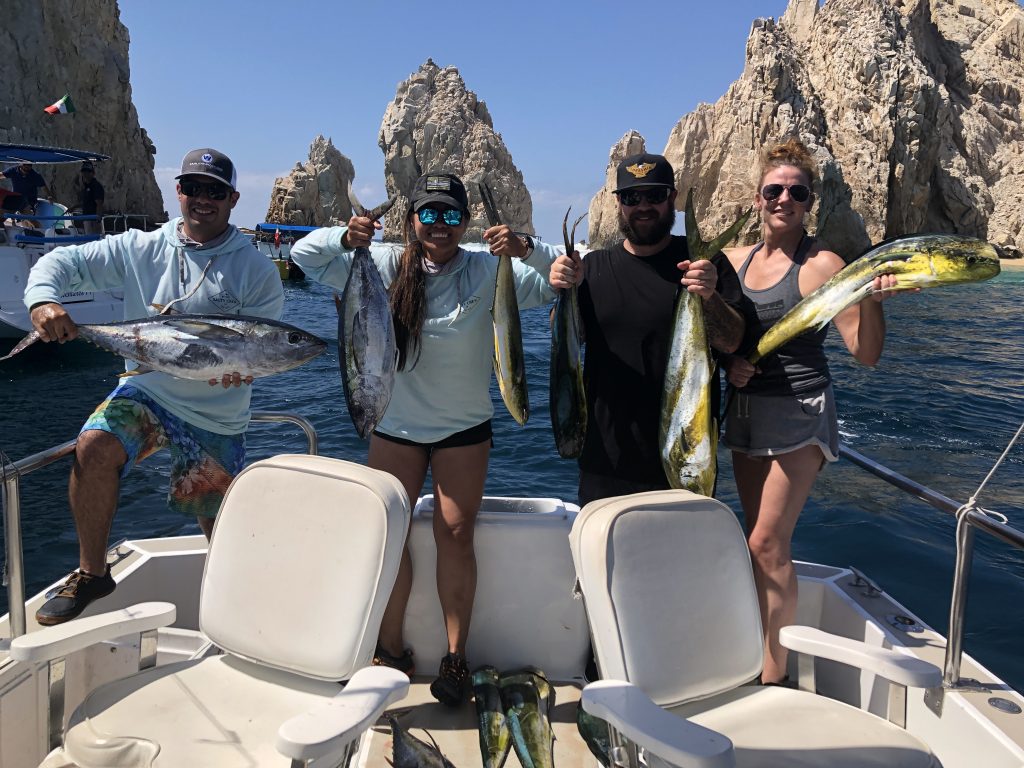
303	557
670	595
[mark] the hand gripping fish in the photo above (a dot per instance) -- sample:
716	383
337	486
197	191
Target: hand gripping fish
528	697
917	261
509	360
688	432
566	397
367	350
201	347
495	734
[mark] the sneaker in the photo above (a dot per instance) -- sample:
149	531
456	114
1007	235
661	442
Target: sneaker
452	683
71	599
403	663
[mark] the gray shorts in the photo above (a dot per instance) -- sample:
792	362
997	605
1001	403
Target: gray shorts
769	425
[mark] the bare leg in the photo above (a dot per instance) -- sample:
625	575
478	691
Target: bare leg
409	464
92	494
459	476
773	492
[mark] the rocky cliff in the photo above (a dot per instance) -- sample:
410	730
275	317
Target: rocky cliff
436	124
911	108
315	193
81	47
603	217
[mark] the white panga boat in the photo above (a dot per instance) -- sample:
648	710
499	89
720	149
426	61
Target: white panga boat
26	238
241	647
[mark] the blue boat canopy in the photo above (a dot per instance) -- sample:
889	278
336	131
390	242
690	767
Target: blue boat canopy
269	226
27	153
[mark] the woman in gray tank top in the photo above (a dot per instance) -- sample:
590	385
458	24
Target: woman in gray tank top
781	424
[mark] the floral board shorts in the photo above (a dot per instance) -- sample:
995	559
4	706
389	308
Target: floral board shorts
203	463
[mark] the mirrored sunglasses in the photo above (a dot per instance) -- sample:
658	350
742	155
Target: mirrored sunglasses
799	192
212	191
451	216
655	196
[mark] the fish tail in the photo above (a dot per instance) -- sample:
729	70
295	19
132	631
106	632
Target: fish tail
28	341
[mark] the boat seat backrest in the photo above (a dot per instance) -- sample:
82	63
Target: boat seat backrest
669	593
301	564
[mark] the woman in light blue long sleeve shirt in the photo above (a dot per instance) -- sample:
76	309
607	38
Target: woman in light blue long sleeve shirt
440	410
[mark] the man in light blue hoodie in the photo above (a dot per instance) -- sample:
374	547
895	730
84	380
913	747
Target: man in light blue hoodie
200	264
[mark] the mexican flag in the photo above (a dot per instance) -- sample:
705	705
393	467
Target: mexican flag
61	106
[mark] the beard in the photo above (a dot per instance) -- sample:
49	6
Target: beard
647	231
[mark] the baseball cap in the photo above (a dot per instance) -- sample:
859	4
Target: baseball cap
644	170
209	162
439	188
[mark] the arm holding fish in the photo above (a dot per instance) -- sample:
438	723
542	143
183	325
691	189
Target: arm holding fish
324	257
567	270
501	241
724	324
532	276
359	232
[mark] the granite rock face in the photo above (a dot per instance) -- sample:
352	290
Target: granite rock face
315	193
435	124
78	46
603	217
911	108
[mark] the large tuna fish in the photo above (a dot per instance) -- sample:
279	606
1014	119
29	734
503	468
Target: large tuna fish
567	398
509	360
367	350
917	261
201	347
688	432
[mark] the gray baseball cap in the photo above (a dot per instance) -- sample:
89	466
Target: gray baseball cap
209	162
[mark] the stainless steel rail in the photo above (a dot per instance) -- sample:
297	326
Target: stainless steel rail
10	474
970	520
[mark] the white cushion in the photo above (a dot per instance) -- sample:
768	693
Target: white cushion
774	727
221	711
301	564
670	594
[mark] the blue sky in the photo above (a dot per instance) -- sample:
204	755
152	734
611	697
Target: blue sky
562	81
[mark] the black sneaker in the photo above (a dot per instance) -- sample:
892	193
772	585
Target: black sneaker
70	600
452	683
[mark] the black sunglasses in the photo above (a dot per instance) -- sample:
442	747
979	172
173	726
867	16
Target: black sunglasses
655	196
799	192
212	191
451	216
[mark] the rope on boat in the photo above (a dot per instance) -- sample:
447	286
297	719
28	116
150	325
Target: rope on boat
972	503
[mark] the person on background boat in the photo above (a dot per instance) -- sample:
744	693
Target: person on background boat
27	183
440	412
90	199
200	264
627	300
781	424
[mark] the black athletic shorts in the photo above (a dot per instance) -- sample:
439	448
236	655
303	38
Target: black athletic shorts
470	436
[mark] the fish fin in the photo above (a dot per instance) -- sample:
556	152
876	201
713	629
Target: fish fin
357	207
28	341
338	305
135	372
202	329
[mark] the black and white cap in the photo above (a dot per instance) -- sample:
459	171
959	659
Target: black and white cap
209	162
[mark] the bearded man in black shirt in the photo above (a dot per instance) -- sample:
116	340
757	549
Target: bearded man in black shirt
627	298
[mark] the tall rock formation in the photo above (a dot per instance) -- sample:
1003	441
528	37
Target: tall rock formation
603	217
81	47
911	108
315	193
436	124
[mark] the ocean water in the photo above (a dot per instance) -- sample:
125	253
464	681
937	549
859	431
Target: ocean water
940	408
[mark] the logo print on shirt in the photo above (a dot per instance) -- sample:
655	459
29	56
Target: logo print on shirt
225	301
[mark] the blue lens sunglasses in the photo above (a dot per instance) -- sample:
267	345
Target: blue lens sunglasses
451	216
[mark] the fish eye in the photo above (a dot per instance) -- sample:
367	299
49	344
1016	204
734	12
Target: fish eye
293	338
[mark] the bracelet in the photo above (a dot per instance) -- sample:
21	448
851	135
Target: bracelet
529	245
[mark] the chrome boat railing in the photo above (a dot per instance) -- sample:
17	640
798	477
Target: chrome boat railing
10	474
971	518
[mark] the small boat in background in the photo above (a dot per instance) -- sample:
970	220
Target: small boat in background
276	241
25	238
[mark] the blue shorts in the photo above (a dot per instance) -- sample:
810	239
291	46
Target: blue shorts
203	463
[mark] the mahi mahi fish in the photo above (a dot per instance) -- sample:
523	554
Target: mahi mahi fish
409	752
201	347
567	398
528	697
688	433
917	261
367	350
495	735
509	360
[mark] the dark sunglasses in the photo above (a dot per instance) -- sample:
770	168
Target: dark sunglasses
451	216
212	191
632	197
799	192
